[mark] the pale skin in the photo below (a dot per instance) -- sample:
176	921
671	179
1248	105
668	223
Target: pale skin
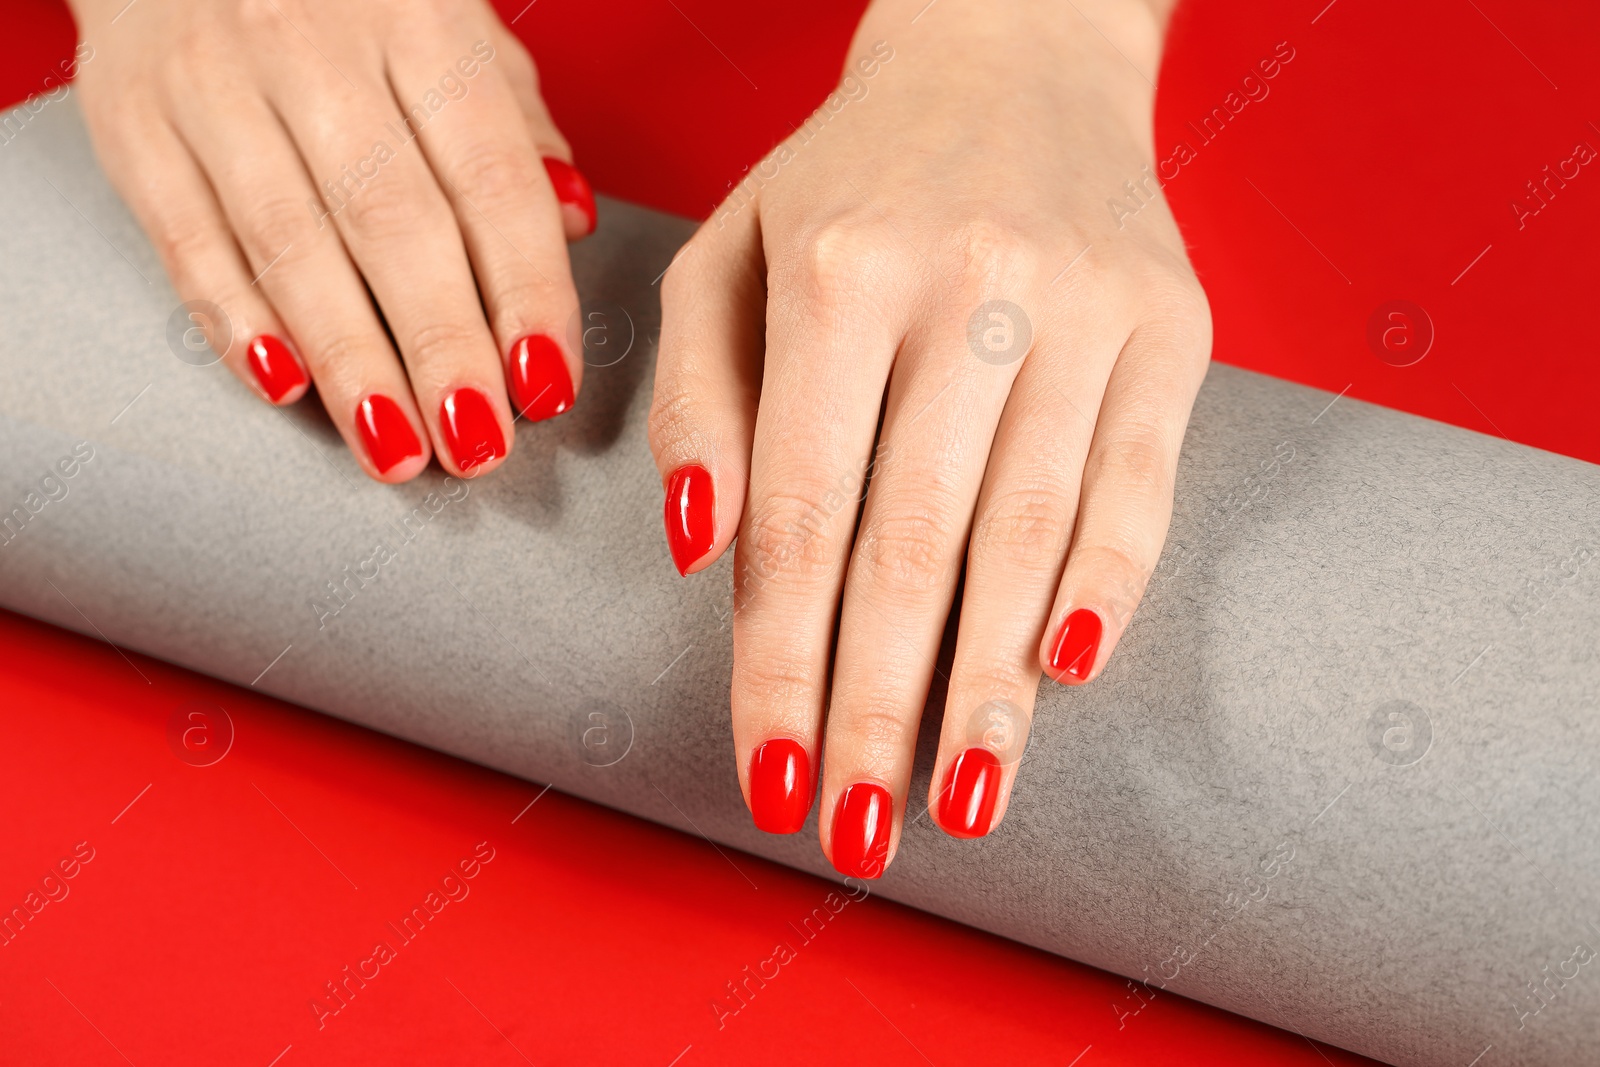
846	279
219	123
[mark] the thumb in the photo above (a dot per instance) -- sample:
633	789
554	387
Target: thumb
708	382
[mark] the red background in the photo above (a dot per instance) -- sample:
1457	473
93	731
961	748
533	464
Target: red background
1382	164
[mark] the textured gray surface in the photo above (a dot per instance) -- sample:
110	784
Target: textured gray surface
1217	814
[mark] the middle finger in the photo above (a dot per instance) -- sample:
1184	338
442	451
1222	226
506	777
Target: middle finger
943	407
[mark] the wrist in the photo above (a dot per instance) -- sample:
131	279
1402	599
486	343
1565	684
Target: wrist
1135	28
1096	60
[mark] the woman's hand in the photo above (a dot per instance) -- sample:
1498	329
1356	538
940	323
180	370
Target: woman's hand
927	286
296	163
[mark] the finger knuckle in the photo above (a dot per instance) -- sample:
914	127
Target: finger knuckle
385	208
776	679
1027	528
496	175
339	362
1112	574
910	552
272	226
1138	457
840	261
672	423
992	256
987	677
441	344
182	239
789	535
1112	557
522	302
878	730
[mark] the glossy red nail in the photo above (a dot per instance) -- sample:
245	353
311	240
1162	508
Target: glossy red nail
388	434
691	513
572	188
1076	647
470	429
861	831
971	787
275	367
540	384
780	785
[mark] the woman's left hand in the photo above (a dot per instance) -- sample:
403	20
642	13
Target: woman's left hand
925	286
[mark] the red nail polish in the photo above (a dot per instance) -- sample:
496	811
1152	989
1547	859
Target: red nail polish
540	384
571	188
470	429
861	831
1076	647
780	785
971	787
691	513
275	367
387	433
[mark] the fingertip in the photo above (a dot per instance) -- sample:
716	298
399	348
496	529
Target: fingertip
576	224
576	196
279	374
289	398
540	379
689	514
474	440
781	785
1072	655
967	804
402	472
860	845
392	449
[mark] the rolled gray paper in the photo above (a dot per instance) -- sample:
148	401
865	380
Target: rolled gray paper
1340	775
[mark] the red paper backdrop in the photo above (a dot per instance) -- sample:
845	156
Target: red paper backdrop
1382	166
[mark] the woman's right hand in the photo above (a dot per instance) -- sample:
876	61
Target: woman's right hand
323	170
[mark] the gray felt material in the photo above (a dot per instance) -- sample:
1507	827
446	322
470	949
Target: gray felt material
1341	775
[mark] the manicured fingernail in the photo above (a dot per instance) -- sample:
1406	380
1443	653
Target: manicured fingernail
1076	647
540	384
780	786
861	831
388	434
691	513
572	188
470	429
971	787
275	367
